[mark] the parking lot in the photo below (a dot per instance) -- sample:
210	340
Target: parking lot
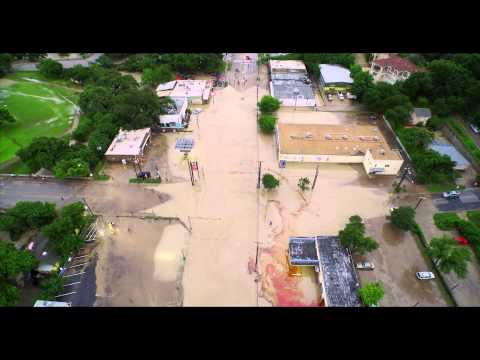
468	200
396	261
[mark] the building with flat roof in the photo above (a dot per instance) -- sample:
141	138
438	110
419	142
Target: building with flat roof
293	93
290	83
128	144
196	91
176	115
288	66
343	144
336	273
45	303
334	78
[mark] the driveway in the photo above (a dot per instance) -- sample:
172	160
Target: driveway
32	66
469	200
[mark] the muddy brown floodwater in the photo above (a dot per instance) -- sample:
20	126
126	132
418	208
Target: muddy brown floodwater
141	263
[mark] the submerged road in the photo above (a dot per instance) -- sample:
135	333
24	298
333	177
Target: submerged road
469	200
67	64
104	198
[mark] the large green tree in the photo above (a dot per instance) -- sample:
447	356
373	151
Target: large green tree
43	152
5	63
158	75
13	261
450	256
353	237
71	168
403	218
26	215
269	104
270	182
9	294
51	69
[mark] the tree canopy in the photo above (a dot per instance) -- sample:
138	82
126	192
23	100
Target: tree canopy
5	63
269	104
450	256
267	123
403	217
43	152
353	237
371	293
26	215
158	75
13	261
51	69
270	182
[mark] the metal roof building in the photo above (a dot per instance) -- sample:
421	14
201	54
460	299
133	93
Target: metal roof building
337	274
334	74
445	148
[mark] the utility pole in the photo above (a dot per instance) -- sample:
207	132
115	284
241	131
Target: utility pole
259	174
191	172
315	179
403	178
88	207
419	201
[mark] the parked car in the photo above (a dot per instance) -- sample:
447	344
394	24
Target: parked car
425	275
341	96
474	128
451	194
365	265
461	240
372	117
329	97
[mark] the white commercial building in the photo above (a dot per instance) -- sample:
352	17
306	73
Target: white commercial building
196	91
128	145
341	144
176	115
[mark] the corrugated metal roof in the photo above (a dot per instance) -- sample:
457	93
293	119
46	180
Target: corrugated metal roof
335	74
445	148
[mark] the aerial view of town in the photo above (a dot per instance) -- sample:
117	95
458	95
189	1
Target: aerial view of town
240	179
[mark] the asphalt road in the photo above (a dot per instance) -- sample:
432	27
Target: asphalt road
469	200
32	66
104	198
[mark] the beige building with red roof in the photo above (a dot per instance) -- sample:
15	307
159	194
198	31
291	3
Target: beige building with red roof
391	69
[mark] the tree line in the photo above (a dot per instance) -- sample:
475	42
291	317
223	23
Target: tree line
449	84
62	228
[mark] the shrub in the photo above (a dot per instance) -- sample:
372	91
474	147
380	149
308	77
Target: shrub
446	221
51	69
470	231
270	182
304	183
371	293
474	216
267	123
269	104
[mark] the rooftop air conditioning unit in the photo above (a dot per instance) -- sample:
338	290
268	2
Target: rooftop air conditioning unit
376	138
328	136
345	137
308	135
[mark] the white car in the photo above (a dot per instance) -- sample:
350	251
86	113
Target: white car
451	194
425	275
329	97
474	128
341	97
365	265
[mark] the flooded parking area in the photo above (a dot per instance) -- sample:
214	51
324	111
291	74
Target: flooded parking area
141	263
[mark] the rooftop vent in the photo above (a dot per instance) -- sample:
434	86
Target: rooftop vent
345	137
308	135
376	138
361	138
328	136
382	151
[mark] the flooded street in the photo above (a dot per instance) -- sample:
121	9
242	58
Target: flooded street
236	252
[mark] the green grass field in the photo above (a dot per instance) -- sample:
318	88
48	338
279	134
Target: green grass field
41	109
